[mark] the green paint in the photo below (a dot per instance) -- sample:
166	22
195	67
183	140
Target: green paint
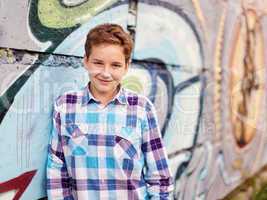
133	83
43	33
7	55
255	187
54	15
262	194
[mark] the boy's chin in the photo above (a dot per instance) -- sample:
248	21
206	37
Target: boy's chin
105	89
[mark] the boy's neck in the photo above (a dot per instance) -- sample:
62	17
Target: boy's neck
104	98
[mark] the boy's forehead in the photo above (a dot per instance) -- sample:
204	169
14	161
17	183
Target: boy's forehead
108	52
107	49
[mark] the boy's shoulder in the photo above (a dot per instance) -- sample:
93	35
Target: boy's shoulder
70	97
134	98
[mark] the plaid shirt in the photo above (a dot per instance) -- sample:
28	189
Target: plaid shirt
112	152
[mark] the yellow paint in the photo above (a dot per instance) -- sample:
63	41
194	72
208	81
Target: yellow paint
53	15
247	77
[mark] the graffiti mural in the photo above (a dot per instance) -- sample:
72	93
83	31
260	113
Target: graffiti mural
202	63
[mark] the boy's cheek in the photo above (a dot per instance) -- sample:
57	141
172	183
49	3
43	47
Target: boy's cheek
94	71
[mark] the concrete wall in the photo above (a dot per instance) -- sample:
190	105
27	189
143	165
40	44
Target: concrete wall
202	63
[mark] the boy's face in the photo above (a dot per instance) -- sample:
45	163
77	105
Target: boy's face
106	66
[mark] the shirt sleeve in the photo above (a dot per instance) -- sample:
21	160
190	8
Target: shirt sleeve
157	174
58	180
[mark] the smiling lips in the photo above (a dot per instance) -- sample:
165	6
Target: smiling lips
105	81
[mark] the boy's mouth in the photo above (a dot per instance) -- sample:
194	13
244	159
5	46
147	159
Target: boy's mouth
105	81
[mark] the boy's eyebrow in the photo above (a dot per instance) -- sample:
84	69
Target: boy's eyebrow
114	62
98	60
117	62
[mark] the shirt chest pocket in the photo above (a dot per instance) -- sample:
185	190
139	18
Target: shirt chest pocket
79	129
84	140
127	143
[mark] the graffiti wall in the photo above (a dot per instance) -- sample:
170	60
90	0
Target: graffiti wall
202	63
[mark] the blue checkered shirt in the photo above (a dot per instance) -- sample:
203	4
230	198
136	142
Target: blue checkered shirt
111	152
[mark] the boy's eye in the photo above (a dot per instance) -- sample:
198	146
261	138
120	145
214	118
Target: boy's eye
98	63
116	65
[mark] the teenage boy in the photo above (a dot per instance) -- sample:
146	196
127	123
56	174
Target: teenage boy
106	142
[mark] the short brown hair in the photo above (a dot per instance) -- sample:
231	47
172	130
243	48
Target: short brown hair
109	34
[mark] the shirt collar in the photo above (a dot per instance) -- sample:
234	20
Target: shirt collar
87	96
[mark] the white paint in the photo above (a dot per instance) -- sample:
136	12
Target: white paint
73	2
164	34
8	195
12	75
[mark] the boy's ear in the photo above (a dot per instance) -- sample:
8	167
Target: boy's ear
127	65
85	60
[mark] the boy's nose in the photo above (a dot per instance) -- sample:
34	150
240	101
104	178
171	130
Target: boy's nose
106	72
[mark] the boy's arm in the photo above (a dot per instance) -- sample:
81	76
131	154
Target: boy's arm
58	180
157	175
